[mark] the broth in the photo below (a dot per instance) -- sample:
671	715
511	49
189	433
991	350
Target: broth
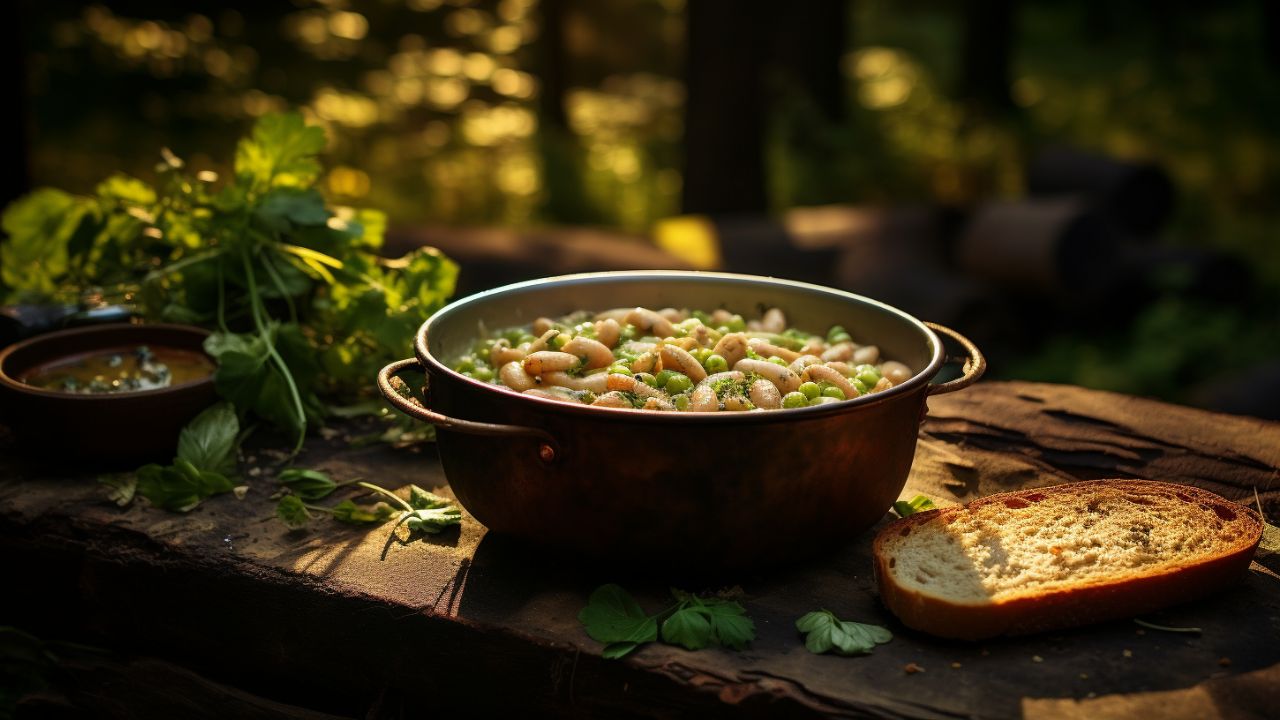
121	370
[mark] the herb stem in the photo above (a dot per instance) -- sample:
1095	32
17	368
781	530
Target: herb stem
279	283
258	317
388	493
222	302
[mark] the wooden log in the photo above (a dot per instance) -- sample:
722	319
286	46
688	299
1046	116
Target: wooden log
1136	197
1037	246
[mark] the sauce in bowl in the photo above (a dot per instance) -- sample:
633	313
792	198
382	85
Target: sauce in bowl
121	370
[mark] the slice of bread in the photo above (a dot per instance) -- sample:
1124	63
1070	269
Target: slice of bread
1061	556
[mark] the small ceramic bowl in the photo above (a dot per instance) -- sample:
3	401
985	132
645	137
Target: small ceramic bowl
104	430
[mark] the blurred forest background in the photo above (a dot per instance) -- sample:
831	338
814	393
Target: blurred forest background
539	113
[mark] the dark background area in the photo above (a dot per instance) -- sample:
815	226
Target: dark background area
1086	188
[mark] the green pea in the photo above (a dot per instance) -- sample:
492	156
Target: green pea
629	332
664	376
810	390
859	385
482	373
648	379
736	324
868	374
795	399
678	383
837	334
833	392
716	363
466	363
723	329
701	355
620	370
560	340
778	361
681	402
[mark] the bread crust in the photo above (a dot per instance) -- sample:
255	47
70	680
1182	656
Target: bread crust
1086	603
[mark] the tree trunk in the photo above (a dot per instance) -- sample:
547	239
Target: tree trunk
724	123
984	64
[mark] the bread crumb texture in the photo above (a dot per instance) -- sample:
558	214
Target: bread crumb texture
1036	542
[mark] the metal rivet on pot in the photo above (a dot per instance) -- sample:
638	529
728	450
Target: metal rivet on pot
546	452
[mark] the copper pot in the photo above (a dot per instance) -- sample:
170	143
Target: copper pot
724	489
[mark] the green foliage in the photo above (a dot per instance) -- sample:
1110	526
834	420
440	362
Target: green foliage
206	460
301	303
919	503
308	484
824	632
209	441
612	616
349	512
293	512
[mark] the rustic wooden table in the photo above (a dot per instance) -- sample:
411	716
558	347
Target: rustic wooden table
223	612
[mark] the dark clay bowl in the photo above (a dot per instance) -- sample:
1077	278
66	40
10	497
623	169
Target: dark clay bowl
100	430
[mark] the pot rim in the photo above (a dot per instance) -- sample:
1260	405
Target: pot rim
11	383
915	383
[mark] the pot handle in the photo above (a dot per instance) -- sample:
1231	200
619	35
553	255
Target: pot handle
974	362
414	408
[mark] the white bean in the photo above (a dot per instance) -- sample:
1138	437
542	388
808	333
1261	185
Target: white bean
645	363
546	361
513	376
595	383
678	359
613	399
866	355
703	399
774	321
618	315
543	340
608	331
541	325
842	351
798	365
594	353
780	375
732	347
768	349
673	315
650	322
550	394
737	403
820	373
765	395
502	353
627	383
658	403
897	372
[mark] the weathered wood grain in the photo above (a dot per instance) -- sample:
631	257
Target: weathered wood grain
341	620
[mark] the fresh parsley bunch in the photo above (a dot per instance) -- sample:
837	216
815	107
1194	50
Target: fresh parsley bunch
612	616
302	304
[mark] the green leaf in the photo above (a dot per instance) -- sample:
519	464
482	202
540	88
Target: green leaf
126	190
431	520
919	503
349	512
729	623
825	632
613	616
121	488
209	441
281	151
293	512
613	651
420	499
307	484
169	488
283	208
39	225
689	628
